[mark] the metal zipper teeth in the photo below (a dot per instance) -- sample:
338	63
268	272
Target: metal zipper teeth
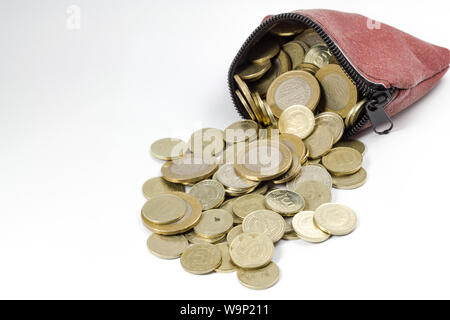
363	85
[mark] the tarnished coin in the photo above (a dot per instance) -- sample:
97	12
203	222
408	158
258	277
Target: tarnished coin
352	181
310	37
339	92
335	219
355	144
319	55
319	142
190	219
311	173
333	122
241	131
201	258
295	52
194	238
293	88
266	222
164	209
233	233
263	160
254	71
247	204
315	194
207	142
246	105
168	149
214	223
284	202
354	113
227	176
259	279
297	120
158	185
293	142
304	226
228	205
264	50
210	193
251	250
342	161
188	170
286	29
226	265
167	247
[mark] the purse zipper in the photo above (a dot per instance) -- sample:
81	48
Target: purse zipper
378	95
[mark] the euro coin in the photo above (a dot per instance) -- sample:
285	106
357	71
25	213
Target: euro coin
241	131
210	193
294	143
342	161
284	202
286	29
264	50
295	52
201	258
335	219
226	266
188	170
350	182
227	176
297	120
355	144
319	142
247	204
167	247
254	71
251	250
354	113
333	122
164	209
158	185
339	92
194	238
319	55
266	222
233	233
293	88
315	194
259	279
214	223
305	228
246	105
168	149
207	142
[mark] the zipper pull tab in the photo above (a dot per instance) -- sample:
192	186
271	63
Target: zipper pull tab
377	115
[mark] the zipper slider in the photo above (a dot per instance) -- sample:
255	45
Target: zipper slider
375	110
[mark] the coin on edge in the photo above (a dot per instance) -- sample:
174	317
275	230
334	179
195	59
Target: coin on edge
350	182
167	247
168	149
158	185
259	279
201	258
246	105
164	208
342	161
297	120
284	202
335	219
214	223
266	222
251	250
210	193
227	265
304	226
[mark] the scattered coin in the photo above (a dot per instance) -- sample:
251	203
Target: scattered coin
233	233
264	50
295	52
354	113
335	219
194	238
254	71
350	182
294	143
241	131
284	202
251	250
164	209
214	223
188	170
333	122
319	142
297	120
342	161
167	247
291	236
246	105
259	279
292	172
201	258
210	193
158	185
355	144
318	55
303	224
226	265
247	204
311	173
228	205
207	142
168	149
266	222
315	194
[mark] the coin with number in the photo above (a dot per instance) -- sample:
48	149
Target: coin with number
266	222
342	161
315	194
201	258
167	247
284	202
303	224
227	264
214	223
158	185
164	209
335	219
251	250
168	149
210	193
259	279
297	120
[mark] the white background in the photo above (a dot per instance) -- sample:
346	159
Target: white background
79	110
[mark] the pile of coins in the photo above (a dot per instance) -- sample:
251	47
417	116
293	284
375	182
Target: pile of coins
263	180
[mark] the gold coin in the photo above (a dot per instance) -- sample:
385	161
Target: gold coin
233	233
164	209
227	176
311	173
262	116
308	67
251	250
284	62
297	120
214	223
286	29
158	185
315	194
254	71
228	205
342	161
332	121
190	219
264	50
310	37
354	144
259	279
354	113
319	142
263	160
350	182
167	247
246	105
262	189
210	193
292	172
262	85
241	131
304	226
247	204
335	219
318	55
291	236
294	143
272	120
245	91
303	44
168	149
295	52
188	170
194	238
266	222
339	92
293	88
284	202
201	258
207	142
226	265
